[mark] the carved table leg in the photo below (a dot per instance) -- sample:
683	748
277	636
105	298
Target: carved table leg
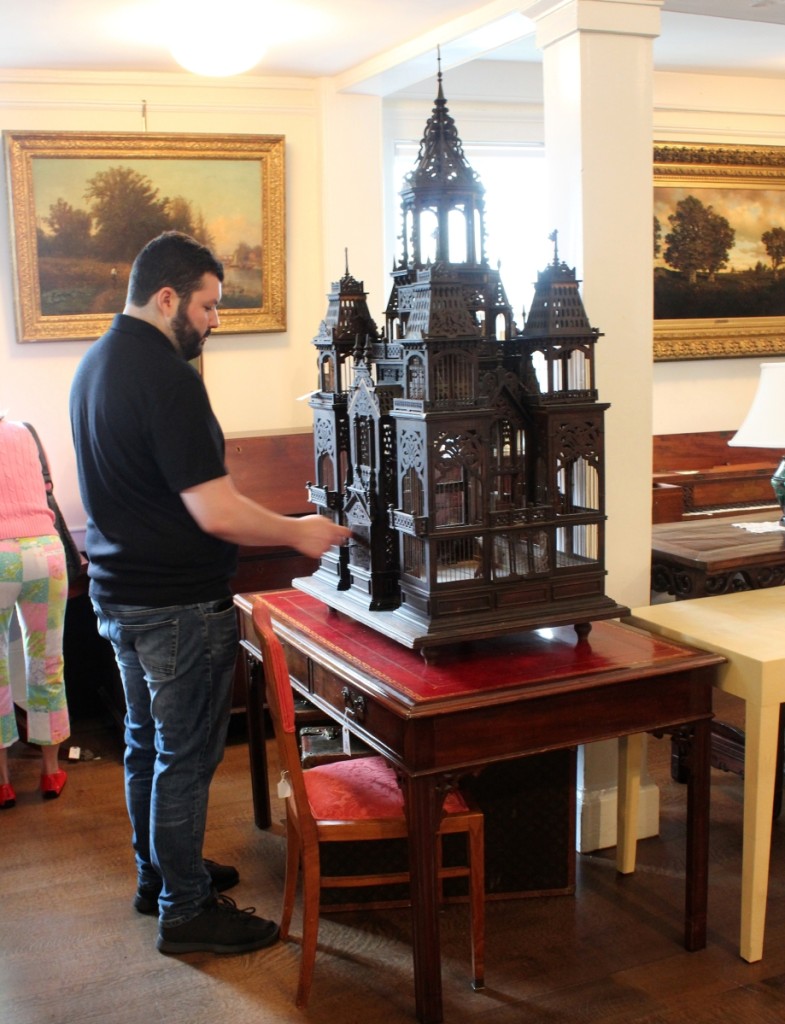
424	798
257	751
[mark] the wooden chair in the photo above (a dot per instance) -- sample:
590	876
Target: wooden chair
350	801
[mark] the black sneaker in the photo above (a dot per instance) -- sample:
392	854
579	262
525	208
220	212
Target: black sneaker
223	877
221	927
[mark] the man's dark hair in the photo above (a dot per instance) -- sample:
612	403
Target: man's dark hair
172	260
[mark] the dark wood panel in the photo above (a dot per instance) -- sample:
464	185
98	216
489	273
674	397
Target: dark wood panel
273	469
698	475
703	450
698	559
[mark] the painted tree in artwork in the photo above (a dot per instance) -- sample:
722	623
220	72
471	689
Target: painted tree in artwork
774	241
699	240
69	232
127	212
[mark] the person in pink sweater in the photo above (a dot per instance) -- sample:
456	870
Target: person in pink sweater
33	580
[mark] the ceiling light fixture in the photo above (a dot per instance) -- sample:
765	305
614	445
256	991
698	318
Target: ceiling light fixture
217	40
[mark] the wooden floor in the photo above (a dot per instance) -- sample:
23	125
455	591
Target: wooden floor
72	950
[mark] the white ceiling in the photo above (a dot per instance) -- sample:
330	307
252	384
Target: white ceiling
388	43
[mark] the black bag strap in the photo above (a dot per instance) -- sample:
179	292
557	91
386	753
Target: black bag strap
42	457
73	557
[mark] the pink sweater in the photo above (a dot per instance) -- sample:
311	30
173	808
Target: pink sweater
23	508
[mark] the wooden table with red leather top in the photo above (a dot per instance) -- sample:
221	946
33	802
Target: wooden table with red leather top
490	701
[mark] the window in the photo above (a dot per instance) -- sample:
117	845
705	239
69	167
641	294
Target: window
516	211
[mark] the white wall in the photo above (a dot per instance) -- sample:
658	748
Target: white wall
493	100
253	379
336	152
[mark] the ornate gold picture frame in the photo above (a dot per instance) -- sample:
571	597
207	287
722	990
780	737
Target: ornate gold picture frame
736	307
84	203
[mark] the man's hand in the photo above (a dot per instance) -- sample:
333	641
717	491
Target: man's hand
318	534
220	509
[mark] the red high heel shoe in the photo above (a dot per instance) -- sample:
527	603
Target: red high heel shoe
52	785
7	796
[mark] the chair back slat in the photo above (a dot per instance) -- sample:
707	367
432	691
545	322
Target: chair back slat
276	669
281	705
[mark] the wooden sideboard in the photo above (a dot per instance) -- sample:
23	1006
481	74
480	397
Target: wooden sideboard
717	555
272	469
698	476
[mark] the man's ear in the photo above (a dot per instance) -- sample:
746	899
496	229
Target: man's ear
167	301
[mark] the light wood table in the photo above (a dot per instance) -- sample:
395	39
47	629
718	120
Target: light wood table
748	628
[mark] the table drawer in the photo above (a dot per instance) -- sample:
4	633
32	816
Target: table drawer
298	665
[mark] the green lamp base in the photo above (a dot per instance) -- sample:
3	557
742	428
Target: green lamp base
778	483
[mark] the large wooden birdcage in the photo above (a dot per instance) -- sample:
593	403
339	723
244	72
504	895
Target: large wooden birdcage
465	453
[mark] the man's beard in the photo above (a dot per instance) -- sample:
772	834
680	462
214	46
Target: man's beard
189	340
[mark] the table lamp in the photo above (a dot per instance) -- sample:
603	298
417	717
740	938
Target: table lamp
764	426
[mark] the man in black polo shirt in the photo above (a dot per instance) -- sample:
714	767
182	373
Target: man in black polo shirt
163	524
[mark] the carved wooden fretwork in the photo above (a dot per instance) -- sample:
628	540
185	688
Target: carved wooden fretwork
468	454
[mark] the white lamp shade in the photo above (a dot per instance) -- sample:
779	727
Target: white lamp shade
764	426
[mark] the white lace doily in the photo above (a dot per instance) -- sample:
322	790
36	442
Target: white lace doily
759	527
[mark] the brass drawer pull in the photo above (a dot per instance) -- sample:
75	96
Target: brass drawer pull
354	704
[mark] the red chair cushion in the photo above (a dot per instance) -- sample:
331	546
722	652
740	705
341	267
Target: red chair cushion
366	787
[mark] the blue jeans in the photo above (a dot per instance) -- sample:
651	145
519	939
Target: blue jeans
177	667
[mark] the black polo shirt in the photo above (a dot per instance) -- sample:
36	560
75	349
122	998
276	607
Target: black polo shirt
144	431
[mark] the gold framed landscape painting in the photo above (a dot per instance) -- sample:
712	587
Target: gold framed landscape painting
719	251
84	203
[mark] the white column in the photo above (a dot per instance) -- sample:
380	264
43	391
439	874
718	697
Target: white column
353	192
598	110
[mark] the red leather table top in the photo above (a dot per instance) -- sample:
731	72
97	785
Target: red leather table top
534	661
